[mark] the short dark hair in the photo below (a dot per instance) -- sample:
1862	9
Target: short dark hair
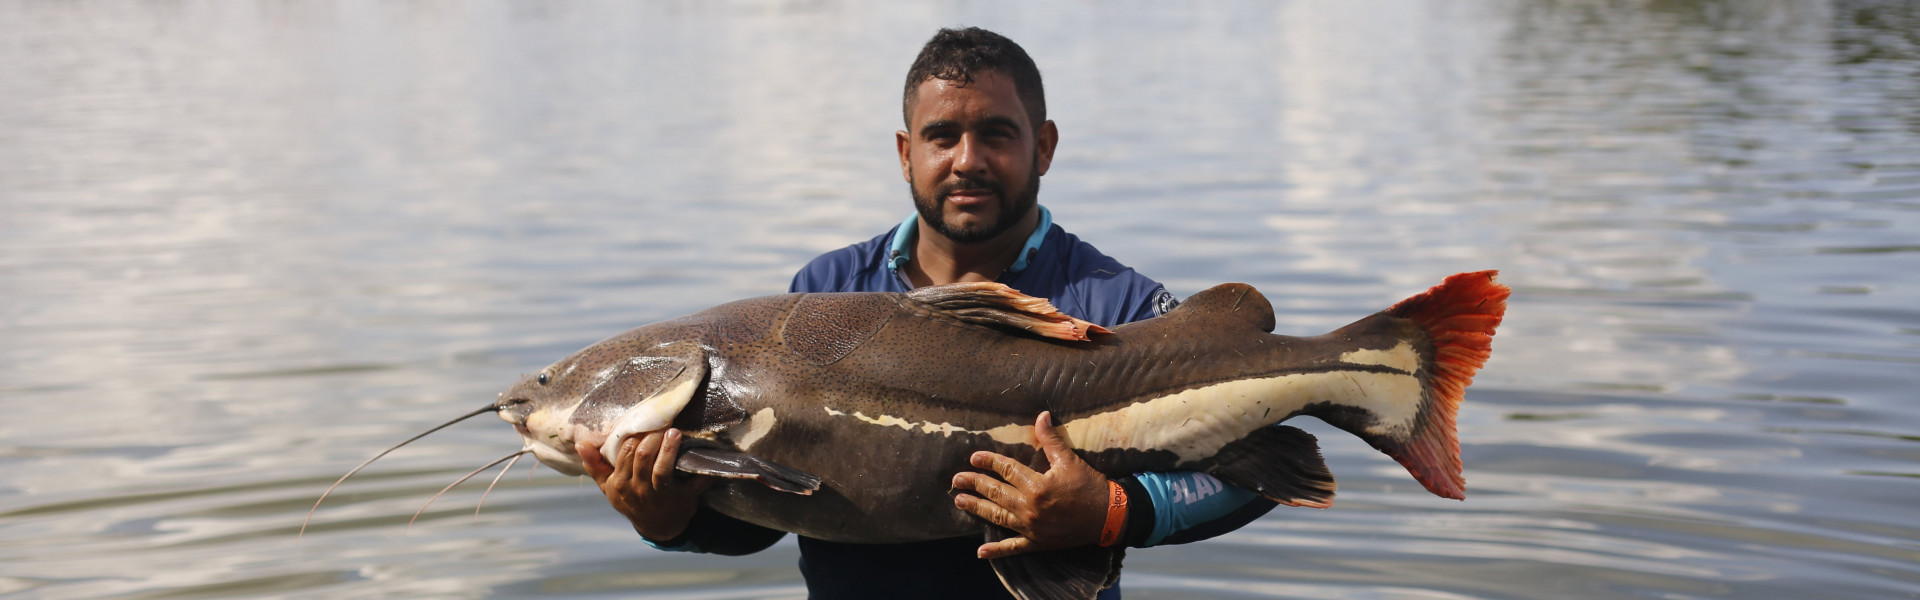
958	55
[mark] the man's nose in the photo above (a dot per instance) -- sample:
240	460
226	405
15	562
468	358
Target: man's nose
967	157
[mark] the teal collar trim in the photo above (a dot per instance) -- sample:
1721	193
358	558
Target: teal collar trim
897	255
899	250
1032	248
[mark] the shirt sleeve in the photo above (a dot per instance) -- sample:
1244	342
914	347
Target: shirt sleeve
806	280
1158	302
1186	506
713	533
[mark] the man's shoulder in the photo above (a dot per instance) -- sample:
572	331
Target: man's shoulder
1083	261
843	269
1090	267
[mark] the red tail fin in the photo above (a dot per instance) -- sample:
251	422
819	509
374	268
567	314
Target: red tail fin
1459	315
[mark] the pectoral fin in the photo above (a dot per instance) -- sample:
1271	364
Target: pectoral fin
730	464
688	370
1070	574
1279	462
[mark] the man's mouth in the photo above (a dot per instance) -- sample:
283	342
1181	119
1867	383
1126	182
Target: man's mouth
967	197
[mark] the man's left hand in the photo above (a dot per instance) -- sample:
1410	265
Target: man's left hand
1063	507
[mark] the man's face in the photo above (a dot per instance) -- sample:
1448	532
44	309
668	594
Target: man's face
972	158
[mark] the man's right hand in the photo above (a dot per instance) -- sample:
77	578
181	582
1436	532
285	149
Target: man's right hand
641	483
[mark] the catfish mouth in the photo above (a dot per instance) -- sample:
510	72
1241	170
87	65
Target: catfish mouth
562	459
549	433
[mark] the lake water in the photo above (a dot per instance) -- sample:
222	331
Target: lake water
245	245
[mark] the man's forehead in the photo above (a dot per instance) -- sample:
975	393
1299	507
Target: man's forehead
990	95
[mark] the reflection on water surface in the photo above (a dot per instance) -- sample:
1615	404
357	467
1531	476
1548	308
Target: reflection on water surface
248	245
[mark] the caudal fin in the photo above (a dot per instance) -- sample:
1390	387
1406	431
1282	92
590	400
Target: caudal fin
1459	317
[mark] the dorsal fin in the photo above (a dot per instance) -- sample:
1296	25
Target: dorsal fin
1230	299
996	305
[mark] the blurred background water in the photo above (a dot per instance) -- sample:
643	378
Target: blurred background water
244	245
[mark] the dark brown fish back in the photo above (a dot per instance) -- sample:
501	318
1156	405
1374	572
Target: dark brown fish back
1236	301
747	321
823	328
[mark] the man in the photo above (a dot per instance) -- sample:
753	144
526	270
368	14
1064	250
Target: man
976	143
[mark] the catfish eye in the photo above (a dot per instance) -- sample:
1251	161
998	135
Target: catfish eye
543	379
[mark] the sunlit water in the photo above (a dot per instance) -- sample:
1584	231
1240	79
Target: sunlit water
246	245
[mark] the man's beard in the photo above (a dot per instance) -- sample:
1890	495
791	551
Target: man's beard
1012	208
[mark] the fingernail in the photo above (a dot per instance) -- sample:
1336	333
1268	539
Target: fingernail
673	434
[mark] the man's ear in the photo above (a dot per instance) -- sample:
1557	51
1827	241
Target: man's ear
1046	138
900	143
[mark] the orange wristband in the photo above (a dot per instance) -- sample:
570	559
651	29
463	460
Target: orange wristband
1116	514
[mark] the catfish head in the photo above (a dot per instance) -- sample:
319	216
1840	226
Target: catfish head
626	385
632	383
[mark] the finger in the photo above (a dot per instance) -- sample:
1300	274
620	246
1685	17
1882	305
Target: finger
1005	548
1052	442
989	511
663	463
992	490
642	460
597	466
1009	469
623	459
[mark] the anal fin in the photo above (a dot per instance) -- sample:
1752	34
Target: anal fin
1069	574
1279	462
730	464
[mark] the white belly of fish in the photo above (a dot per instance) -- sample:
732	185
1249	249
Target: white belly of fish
1196	423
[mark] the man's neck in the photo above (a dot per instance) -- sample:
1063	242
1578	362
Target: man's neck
940	261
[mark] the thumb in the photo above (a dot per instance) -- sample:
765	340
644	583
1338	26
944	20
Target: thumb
1051	442
597	466
1005	548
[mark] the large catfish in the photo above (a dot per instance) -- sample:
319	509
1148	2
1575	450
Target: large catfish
844	416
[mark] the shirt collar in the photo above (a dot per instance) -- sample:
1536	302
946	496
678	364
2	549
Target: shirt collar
901	249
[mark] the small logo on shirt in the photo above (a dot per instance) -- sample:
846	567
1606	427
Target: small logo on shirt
1190	491
1164	302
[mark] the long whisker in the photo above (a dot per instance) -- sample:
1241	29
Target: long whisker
463	479
496	481
336	483
530	469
